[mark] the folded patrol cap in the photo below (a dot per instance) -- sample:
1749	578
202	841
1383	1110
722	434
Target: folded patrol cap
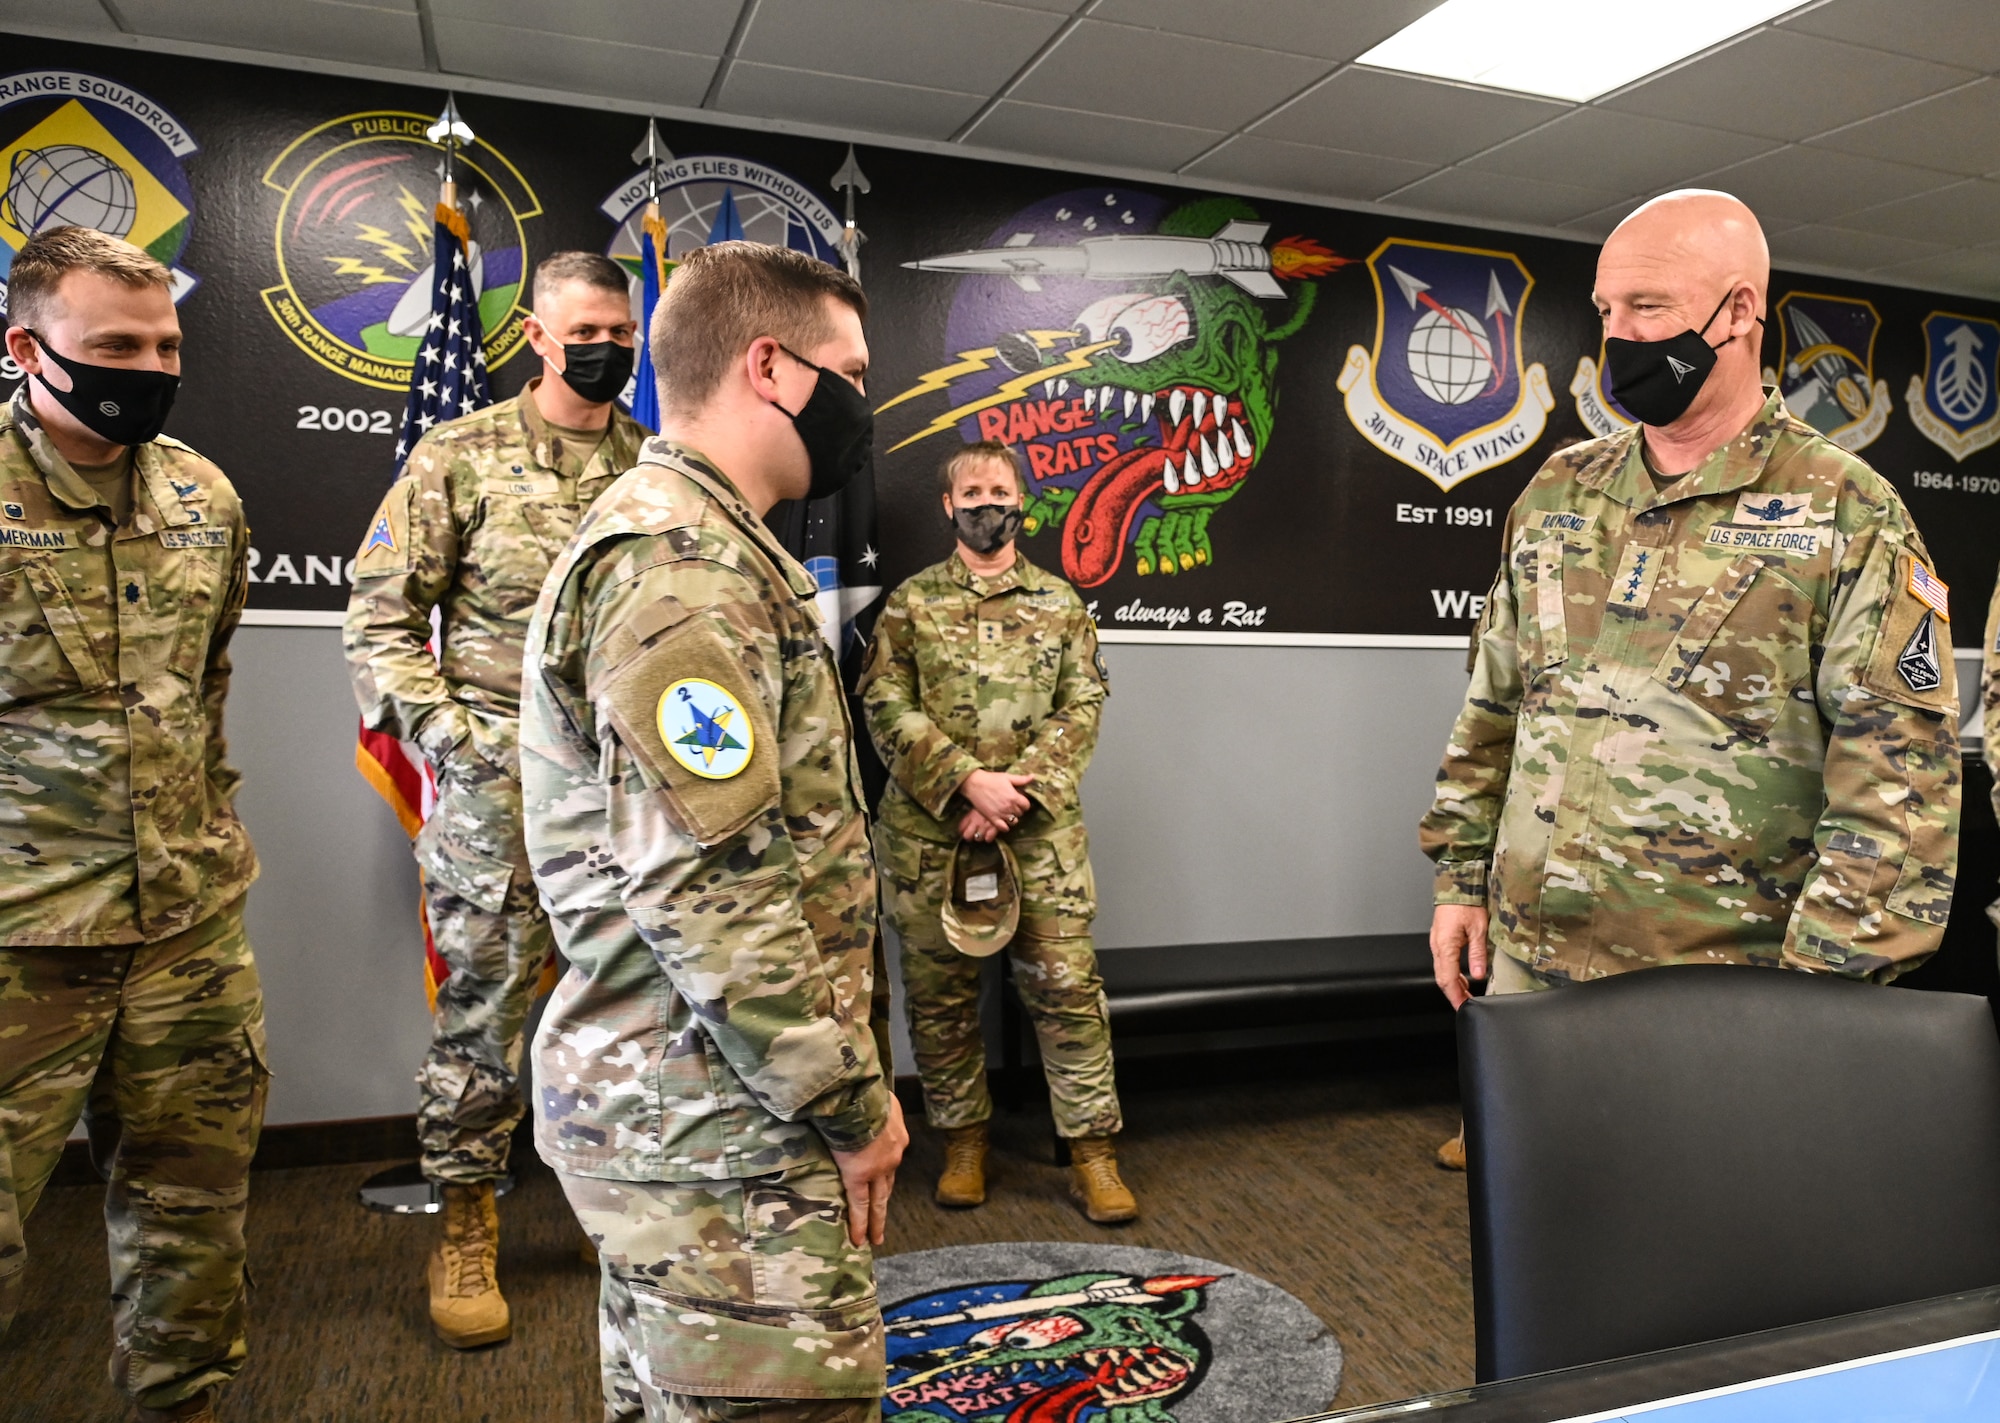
984	906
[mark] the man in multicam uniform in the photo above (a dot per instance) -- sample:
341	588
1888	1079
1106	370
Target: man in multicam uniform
713	1087
126	980
1712	716
482	508
982	692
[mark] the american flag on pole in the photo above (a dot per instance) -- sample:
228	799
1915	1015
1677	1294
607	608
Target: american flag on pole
449	380
652	281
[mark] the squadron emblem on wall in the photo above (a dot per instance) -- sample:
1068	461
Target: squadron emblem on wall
81	150
1955	403
353	243
1827	366
1446	390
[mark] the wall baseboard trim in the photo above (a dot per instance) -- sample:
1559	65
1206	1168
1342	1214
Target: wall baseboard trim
290	1145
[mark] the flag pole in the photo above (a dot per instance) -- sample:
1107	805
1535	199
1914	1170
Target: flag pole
653	267
850	177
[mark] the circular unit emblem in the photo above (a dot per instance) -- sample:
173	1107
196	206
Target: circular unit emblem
353	244
705	728
79	149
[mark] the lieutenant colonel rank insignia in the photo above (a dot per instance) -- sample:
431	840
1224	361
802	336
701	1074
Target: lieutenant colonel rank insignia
705	729
381	536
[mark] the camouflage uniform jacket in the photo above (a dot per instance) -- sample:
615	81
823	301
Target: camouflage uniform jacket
996	674
1711	723
483	506
1989	683
117	805
719	920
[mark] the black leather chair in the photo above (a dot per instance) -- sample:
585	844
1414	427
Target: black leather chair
1688	1153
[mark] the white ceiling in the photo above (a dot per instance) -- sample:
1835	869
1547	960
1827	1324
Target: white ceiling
1866	133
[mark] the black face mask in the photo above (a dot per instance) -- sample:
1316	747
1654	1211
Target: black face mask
836	427
986	528
1658	380
598	371
126	407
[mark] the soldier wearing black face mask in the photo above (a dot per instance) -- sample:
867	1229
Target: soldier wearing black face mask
983	691
484	506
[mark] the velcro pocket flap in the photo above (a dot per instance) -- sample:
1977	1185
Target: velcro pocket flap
65	622
458	868
1912	662
689	711
726	1348
1744	648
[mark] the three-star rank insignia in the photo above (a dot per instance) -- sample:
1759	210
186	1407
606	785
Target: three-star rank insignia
706	729
381	536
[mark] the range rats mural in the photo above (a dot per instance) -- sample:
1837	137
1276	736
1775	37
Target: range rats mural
1242	419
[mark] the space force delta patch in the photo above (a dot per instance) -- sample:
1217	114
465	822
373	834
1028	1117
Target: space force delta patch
1918	663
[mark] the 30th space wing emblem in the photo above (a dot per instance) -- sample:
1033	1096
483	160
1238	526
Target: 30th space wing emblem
1446	390
1827	366
1955	403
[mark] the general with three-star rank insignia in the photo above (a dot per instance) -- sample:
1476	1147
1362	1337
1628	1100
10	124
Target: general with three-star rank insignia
1714	722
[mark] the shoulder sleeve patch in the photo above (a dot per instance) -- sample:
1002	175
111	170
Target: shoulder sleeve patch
688	710
1912	661
386	547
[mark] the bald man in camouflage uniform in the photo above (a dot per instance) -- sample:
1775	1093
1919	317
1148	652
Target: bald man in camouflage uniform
1712	716
126	979
712	1077
482	508
983	690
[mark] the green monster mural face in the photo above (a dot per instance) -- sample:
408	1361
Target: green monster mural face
1174	373
1079	1347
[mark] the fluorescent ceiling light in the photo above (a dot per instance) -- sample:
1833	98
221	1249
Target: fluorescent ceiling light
1564	49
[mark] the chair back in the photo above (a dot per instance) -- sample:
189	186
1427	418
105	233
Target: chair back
1664	1157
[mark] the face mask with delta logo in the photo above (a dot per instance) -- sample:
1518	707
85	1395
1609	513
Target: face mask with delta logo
115	403
1658	380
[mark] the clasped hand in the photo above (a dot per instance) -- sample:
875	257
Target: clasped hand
997	804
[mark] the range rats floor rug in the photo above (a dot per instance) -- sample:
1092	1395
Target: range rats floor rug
1081	1333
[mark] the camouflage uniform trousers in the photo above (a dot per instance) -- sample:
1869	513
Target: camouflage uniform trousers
489	927
733	1300
1055	972
164	1045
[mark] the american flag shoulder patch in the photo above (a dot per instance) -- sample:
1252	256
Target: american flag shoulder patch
1930	590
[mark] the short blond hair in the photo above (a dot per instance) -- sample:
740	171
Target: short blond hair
967	456
47	257
722	297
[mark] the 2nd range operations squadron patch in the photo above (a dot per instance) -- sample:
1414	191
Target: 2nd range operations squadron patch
705	729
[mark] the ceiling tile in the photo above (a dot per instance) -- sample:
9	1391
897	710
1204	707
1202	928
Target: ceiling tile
1782	84
684	26
1974	272
1607	149
1598	225
768	92
1302	168
382	33
958	45
1465	192
1958	132
1399	116
562	62
1959	32
59	14
1294	26
1171	79
1846	248
1813	184
1090	138
1963	214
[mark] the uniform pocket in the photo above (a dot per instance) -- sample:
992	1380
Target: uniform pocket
1924	887
1543	621
726	1348
44	650
451	865
1744	648
899	857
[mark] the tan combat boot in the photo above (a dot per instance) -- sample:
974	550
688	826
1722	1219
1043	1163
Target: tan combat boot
467	1309
199	1409
1451	1155
1094	1183
963	1182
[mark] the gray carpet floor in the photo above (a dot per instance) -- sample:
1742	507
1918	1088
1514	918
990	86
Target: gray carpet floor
1311	1167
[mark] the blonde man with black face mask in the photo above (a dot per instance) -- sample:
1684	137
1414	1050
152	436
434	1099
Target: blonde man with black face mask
126	980
983	690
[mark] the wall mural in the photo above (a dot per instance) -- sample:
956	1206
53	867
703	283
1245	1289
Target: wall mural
1243	419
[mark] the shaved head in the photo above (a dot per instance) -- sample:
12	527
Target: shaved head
1693	260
